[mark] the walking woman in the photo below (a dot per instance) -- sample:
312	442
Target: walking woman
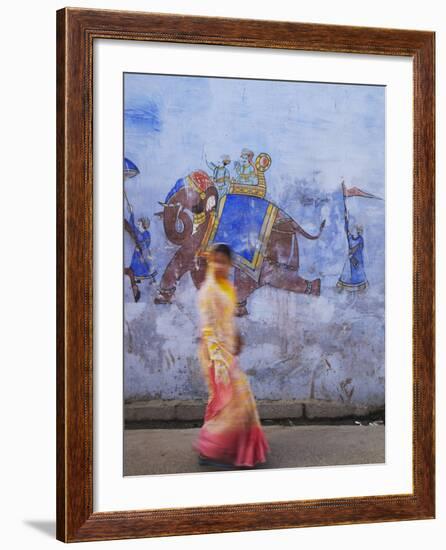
231	434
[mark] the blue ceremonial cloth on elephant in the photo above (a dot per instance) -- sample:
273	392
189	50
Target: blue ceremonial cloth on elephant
240	224
178	185
244	223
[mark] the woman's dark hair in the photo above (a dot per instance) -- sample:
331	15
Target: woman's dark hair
223	249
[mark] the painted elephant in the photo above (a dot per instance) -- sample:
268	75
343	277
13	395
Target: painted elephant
188	211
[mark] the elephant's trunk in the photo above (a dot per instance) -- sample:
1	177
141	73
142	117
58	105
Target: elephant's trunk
177	224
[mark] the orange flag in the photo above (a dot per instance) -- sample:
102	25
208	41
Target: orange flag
356	192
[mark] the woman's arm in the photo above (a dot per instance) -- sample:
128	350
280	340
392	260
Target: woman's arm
220	357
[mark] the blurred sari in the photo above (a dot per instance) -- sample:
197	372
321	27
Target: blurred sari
231	433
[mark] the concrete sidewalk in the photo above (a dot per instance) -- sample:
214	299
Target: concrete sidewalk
168	451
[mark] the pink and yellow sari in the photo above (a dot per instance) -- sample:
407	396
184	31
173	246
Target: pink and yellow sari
231	432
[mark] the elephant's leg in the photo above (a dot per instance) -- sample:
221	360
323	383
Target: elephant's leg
280	276
244	286
136	292
180	264
198	272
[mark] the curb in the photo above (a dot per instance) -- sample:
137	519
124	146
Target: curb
193	410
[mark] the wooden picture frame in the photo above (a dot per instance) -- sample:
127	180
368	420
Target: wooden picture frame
77	29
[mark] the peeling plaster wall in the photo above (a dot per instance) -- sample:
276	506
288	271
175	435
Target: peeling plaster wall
291	352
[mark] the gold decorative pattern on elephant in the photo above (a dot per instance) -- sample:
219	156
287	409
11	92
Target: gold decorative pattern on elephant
198	219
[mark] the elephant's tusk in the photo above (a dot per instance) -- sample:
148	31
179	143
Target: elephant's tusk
165	205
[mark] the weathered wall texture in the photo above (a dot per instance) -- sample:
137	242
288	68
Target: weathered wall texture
297	346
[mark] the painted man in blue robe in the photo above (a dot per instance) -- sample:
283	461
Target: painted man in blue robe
141	266
220	174
353	277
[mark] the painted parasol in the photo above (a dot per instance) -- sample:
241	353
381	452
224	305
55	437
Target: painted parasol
130	169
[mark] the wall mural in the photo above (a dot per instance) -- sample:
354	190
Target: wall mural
291	176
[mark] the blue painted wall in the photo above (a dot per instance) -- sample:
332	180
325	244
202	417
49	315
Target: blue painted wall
297	346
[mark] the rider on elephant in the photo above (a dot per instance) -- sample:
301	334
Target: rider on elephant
220	174
246	170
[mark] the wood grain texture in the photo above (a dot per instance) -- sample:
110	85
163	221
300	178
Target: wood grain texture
76	31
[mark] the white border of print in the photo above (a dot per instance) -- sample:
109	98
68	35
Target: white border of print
112	491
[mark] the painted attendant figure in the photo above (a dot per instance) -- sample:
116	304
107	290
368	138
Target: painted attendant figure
231	435
141	266
353	277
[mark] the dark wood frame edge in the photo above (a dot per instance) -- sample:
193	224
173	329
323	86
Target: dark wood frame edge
76	31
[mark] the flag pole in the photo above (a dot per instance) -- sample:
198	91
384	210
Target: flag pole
345	207
129	206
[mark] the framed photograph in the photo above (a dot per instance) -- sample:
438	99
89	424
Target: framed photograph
245	221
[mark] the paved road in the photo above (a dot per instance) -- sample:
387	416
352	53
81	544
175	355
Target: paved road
168	451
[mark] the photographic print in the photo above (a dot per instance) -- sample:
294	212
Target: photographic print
269	312
254	274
